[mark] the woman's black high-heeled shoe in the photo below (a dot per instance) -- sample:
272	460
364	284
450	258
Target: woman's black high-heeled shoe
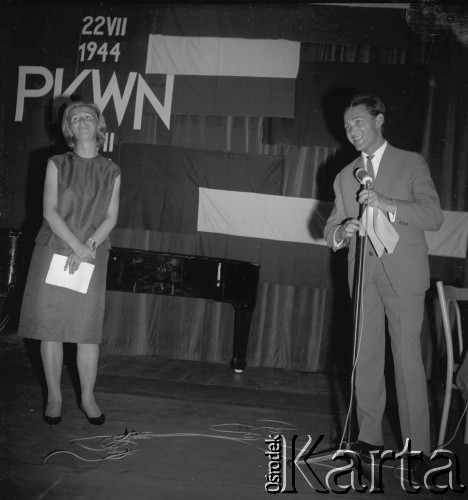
94	420
51	420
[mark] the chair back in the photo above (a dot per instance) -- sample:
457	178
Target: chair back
449	296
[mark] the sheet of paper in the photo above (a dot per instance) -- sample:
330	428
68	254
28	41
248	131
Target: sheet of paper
381	232
78	281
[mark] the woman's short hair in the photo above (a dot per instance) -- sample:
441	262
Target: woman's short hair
373	104
101	123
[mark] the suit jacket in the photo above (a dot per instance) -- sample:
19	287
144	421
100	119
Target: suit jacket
403	176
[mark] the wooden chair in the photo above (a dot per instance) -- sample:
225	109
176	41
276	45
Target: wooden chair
449	296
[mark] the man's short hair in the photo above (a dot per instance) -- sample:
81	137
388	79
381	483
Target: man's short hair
373	104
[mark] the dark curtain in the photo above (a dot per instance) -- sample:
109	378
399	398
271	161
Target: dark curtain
447	129
298	328
293	327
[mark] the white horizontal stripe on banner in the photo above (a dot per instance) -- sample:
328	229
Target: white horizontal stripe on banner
452	238
209	56
265	216
285	218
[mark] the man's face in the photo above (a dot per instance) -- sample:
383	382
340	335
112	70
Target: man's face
363	130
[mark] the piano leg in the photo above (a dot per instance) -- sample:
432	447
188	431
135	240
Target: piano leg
242	321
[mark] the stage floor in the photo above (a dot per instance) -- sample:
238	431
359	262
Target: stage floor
197	429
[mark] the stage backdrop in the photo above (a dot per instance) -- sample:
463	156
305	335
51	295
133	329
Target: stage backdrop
226	122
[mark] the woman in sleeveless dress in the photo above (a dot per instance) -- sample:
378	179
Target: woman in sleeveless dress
80	208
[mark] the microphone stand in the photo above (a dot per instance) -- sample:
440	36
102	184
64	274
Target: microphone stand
358	287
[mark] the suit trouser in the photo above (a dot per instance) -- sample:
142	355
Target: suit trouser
405	316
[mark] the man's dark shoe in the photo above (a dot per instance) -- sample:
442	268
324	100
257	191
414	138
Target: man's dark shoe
365	450
416	474
420	468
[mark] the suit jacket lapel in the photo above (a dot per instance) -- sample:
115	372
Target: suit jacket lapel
357	164
385	169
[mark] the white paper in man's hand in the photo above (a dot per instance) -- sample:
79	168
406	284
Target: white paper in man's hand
78	281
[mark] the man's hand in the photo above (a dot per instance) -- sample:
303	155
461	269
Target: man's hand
376	200
347	229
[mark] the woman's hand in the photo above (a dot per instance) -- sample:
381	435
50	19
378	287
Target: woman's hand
72	264
84	252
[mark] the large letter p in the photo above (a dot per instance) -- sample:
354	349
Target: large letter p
23	92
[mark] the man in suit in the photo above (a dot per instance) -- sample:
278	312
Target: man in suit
395	283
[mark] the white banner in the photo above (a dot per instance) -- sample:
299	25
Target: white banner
209	56
285	218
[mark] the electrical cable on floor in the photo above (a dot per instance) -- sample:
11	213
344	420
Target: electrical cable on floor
441	447
456	429
124	445
398	469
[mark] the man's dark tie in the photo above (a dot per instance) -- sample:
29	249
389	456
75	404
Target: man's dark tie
370	168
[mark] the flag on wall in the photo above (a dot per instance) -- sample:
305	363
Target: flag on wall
229	205
225	76
168	190
160	184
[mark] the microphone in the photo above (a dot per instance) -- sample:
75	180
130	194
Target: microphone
363	177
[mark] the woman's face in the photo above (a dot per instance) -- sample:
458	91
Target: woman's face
83	123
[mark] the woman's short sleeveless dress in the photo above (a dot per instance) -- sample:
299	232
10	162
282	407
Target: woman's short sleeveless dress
58	314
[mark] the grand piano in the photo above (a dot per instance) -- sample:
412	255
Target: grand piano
223	280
